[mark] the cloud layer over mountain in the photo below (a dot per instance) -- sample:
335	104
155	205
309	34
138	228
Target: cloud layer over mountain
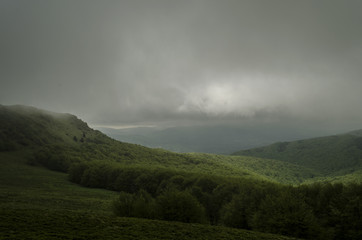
185	62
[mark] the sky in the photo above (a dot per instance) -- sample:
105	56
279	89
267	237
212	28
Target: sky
171	62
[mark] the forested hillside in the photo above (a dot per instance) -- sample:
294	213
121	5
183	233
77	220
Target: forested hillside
23	126
331	156
233	191
40	204
62	139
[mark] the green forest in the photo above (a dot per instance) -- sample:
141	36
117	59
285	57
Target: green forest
337	158
281	189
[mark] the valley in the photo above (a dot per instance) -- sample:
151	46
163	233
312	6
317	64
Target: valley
215	139
54	165
40	204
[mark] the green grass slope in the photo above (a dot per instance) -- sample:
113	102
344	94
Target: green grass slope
36	203
234	191
266	169
70	139
332	156
23	126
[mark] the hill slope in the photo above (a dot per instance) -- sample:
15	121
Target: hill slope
23	126
63	139
40	204
332	156
234	191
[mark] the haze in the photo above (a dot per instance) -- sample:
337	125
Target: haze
172	63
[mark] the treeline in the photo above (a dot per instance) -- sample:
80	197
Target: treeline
342	152
317	211
60	157
149	189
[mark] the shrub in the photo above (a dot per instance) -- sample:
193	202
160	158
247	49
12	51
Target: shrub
285	214
124	205
140	205
180	206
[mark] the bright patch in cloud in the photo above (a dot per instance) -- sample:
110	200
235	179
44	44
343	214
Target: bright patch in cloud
224	98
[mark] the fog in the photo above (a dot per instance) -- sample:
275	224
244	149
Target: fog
186	63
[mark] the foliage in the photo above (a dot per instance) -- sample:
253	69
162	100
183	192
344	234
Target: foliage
235	191
124	206
135	205
55	224
285	214
40	204
239	211
53	134
173	205
318	211
329	156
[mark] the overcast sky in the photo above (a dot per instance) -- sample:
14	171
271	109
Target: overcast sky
156	62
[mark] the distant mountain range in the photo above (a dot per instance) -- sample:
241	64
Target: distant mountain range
218	139
334	158
70	139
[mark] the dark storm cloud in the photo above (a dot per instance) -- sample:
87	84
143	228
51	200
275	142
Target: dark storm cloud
150	62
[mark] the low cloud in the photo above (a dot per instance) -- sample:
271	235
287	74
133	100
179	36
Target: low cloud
162	62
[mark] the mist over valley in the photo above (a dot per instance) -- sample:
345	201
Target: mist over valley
193	119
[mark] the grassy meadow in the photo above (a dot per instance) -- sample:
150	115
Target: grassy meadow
40	204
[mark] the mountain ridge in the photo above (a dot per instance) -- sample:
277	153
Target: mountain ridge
235	191
71	138
215	139
331	155
23	126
